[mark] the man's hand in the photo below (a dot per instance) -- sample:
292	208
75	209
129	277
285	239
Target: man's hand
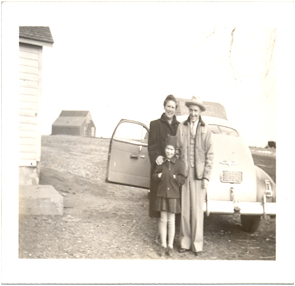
159	160
159	175
205	184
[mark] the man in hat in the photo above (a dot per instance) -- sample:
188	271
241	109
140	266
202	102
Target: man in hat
196	151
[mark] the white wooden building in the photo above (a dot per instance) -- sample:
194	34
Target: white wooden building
31	42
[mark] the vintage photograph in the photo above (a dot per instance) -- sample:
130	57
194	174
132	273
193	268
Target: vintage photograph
145	134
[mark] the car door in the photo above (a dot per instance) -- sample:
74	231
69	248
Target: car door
128	159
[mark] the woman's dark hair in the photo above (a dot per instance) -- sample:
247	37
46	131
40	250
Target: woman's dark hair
170	97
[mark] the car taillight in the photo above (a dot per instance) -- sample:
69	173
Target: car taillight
268	190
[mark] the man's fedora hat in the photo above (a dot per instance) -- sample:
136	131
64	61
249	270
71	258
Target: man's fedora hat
196	101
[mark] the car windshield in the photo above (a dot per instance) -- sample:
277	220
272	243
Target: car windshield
223	130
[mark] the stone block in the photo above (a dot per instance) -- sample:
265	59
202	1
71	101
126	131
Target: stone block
28	176
40	200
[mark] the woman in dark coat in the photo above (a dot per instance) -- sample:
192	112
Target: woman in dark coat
159	130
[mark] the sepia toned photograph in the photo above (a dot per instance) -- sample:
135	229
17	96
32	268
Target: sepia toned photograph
146	136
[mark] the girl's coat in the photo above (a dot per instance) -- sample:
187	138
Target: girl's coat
168	186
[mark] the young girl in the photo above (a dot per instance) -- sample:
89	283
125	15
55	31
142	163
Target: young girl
170	175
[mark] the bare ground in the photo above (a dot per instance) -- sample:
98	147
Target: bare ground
109	221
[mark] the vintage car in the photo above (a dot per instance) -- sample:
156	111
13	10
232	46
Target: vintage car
236	184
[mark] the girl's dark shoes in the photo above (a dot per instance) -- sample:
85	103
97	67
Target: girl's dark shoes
162	251
166	251
170	251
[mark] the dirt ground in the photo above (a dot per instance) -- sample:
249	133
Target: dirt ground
109	221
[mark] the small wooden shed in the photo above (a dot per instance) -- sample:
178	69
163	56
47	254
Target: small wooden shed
74	122
31	42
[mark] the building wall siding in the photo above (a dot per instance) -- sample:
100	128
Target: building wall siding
66	130
30	77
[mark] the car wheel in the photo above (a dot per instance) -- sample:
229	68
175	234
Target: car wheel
250	223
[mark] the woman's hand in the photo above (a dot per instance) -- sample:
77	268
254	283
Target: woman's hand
159	175
174	176
159	160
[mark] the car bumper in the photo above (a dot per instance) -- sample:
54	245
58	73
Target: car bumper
247	208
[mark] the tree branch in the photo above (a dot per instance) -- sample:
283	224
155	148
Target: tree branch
230	48
268	61
206	39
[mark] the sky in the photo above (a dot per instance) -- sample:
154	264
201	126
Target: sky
120	60
126	71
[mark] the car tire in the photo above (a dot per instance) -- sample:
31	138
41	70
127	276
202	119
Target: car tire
250	223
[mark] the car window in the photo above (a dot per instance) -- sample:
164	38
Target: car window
131	132
223	130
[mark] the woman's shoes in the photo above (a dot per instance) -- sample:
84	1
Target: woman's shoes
182	250
158	240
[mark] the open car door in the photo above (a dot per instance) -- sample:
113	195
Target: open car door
128	158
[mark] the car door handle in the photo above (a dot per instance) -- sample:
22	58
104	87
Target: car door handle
142	156
134	156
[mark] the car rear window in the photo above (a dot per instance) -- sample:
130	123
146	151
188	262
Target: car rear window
223	130
213	109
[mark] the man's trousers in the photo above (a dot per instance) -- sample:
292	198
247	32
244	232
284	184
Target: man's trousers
192	214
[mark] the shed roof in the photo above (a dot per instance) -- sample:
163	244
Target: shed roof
68	121
36	33
74	113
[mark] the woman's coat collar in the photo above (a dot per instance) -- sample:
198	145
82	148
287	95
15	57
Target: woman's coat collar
174	120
